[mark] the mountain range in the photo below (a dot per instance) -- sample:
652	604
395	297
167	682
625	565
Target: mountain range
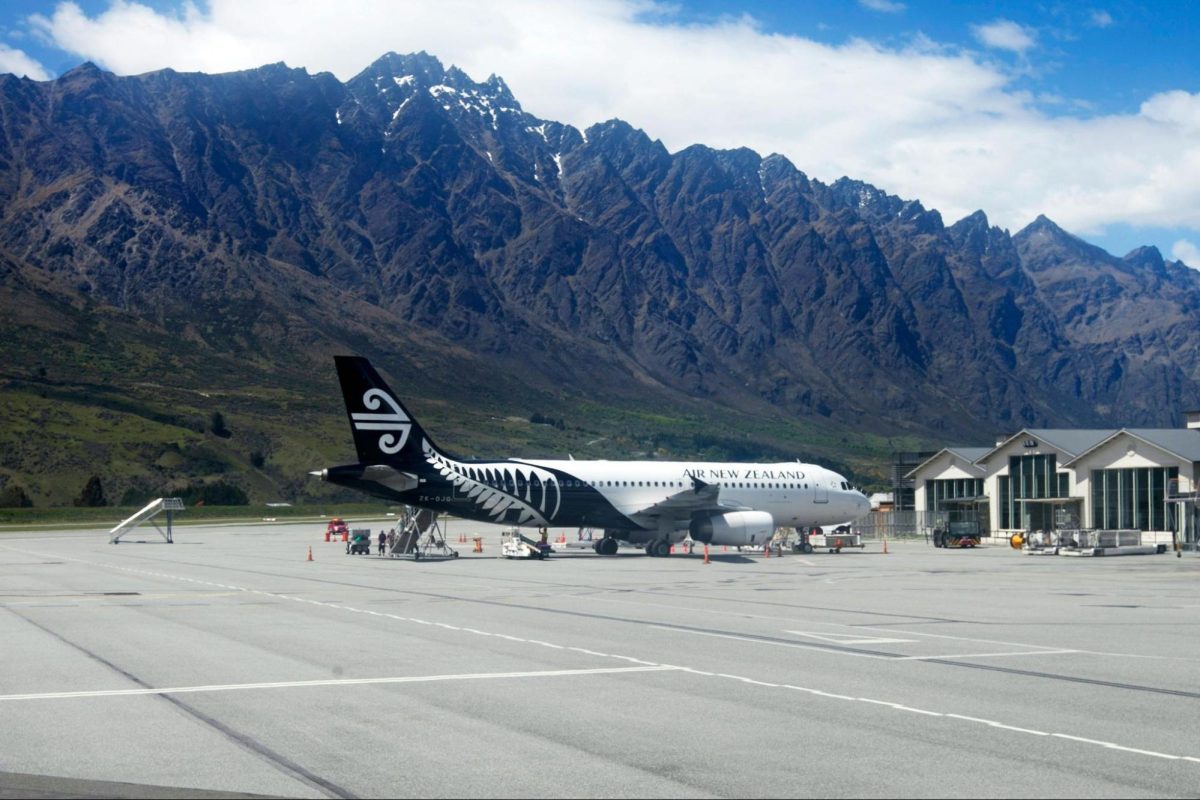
181	245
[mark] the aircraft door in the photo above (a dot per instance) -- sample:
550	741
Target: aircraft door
820	492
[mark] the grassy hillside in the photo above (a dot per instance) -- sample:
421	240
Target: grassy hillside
149	441
90	391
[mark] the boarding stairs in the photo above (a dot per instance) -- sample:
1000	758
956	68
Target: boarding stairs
155	507
420	535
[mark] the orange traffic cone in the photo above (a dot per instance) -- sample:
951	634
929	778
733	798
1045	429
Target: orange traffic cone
767	550
706	561
310	552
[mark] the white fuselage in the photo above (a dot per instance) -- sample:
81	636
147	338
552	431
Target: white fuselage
793	493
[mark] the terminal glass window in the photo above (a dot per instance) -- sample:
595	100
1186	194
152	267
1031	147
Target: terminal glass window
949	489
1030	478
1131	499
1005	503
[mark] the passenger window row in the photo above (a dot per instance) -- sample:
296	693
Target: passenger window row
488	480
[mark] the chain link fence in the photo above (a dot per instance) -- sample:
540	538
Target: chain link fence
908	524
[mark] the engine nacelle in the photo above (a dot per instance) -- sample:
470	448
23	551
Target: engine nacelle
737	528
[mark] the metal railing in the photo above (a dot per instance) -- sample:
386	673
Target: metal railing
899	524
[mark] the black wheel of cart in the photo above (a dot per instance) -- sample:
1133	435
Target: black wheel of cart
808	548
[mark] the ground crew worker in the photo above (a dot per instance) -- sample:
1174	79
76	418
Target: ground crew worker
382	541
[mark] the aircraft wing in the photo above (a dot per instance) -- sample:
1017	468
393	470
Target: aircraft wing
702	497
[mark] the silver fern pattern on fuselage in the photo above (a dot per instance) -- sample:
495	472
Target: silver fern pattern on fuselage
496	487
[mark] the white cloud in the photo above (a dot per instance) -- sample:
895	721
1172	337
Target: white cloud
1100	19
16	62
1004	34
1174	108
886	6
1187	252
924	121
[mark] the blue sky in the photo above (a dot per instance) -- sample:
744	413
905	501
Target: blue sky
1107	55
1086	112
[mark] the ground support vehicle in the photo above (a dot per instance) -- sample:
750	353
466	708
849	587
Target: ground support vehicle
515	544
1084	542
958	534
359	542
336	530
810	539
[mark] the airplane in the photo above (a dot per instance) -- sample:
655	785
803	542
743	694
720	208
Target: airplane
653	504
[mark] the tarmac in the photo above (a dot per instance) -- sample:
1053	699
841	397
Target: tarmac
227	664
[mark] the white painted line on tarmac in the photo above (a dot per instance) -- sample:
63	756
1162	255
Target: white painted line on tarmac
986	655
797	645
1028	644
1111	746
655	667
899	707
849	638
1000	725
232	687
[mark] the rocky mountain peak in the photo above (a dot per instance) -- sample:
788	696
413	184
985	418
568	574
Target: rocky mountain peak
922	219
1147	258
499	90
617	132
1048	244
871	202
394	81
86	68
82	78
425	69
976	220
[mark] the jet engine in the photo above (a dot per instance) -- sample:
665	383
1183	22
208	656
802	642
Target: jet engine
737	528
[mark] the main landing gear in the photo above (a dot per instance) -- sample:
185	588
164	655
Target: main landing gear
660	548
606	546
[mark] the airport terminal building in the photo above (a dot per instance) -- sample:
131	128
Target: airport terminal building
1143	479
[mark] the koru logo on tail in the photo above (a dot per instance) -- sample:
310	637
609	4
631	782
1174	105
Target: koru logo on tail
396	421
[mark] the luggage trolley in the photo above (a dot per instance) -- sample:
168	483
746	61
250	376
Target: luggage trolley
810	539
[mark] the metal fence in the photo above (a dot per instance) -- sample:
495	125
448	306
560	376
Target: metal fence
898	524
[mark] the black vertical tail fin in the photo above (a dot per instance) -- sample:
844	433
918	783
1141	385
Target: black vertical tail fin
384	431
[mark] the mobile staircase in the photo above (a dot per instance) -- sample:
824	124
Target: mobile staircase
420	536
155	507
